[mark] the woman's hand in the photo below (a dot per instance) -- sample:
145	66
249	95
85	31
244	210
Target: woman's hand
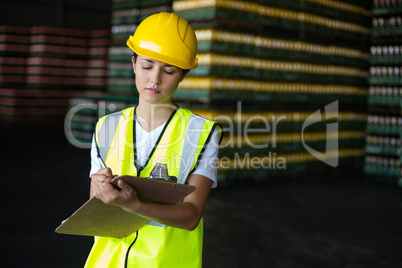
125	196
185	215
100	180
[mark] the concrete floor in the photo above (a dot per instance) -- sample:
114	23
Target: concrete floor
321	220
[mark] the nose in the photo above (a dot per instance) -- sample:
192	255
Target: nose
156	76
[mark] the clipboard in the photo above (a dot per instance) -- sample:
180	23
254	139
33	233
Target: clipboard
95	218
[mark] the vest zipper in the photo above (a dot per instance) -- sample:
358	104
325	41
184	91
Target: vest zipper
139	169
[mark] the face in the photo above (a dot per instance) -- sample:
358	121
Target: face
156	81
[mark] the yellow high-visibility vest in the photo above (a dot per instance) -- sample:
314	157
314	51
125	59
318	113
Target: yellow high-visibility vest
180	147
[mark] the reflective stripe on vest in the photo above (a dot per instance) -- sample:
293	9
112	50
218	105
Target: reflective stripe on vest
180	147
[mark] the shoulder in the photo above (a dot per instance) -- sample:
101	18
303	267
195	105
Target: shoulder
206	123
126	112
195	115
112	119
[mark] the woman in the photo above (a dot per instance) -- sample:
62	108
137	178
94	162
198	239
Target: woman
156	131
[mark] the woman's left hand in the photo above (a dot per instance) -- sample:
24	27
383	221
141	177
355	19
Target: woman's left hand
127	198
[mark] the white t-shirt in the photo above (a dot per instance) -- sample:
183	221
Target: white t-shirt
145	141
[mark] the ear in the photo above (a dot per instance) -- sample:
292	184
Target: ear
133	61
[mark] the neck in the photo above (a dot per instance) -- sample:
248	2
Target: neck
151	116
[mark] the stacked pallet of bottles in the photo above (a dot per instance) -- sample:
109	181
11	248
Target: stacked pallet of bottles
383	142
126	15
97	59
14	50
125	18
121	91
43	67
286	79
81	118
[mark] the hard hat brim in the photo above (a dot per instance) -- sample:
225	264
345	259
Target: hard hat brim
160	57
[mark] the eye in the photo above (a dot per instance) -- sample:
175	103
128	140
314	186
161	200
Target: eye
146	67
168	72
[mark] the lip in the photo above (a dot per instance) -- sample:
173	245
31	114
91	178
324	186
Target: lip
153	90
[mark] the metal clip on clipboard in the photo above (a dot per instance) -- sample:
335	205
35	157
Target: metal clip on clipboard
160	172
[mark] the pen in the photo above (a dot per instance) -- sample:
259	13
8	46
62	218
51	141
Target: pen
102	163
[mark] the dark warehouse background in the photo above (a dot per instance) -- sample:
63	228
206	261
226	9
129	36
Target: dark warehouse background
274	58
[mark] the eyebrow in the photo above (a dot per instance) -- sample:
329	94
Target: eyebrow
164	65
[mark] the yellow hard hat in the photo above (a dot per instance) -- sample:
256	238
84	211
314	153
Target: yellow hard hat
166	37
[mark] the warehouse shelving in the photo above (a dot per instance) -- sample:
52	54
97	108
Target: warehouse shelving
288	59
383	141
42	67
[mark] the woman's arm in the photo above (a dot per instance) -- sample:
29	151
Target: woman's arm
185	215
